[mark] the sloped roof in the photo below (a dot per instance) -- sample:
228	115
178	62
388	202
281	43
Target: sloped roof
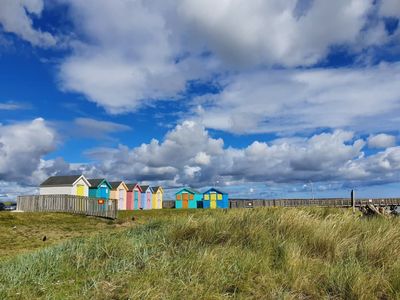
156	188
115	184
190	190
95	183
145	187
215	190
60	180
131	186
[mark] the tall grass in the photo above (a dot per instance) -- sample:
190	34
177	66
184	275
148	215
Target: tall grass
259	253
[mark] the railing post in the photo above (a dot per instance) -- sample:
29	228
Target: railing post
353	200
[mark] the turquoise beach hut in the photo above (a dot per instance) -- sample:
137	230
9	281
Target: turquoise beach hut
100	188
214	198
188	198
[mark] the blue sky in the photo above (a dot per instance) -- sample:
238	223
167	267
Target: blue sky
265	100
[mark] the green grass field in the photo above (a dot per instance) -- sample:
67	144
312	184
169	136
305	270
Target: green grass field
267	253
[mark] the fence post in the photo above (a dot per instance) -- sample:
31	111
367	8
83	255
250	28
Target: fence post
353	200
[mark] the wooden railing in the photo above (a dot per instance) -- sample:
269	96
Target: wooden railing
319	202
69	204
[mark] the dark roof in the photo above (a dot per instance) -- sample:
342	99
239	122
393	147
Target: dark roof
115	184
190	190
156	188
95	183
215	190
144	187
60	180
131	186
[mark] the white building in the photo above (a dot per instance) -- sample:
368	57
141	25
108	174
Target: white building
65	185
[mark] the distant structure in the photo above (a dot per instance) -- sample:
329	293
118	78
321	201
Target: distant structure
67	185
99	188
133	196
214	198
147	193
157	197
188	198
119	191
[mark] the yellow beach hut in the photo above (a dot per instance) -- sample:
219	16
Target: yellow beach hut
157	197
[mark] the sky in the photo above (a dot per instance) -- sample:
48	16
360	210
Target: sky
263	99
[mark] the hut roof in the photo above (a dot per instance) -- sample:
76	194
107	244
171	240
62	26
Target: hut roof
131	186
190	190
156	188
145	187
95	183
61	180
215	190
115	184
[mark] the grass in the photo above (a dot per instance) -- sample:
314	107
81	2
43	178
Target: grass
266	253
24	232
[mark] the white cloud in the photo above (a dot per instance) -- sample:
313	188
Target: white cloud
22	146
390	8
188	155
92	128
15	17
335	158
127	57
296	100
273	32
12	106
381	140
133	52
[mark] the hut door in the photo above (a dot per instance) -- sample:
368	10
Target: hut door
103	192
136	198
213	200
159	200
121	199
185	202
80	190
148	200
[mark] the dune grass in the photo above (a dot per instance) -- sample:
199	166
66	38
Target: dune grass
266	253
24	232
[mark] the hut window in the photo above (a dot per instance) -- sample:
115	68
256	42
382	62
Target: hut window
191	197
219	197
206	197
178	197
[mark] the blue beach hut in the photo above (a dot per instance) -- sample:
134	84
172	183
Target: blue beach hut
146	196
214	198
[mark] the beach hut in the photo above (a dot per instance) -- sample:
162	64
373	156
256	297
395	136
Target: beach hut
118	192
100	188
214	198
188	198
65	185
146	196
133	196
157	197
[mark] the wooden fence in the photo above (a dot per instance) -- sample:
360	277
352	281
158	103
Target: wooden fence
69	204
320	202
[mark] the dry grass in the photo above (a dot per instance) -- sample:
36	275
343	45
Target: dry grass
257	254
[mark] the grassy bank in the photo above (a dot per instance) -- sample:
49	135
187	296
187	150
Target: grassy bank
258	253
24	232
